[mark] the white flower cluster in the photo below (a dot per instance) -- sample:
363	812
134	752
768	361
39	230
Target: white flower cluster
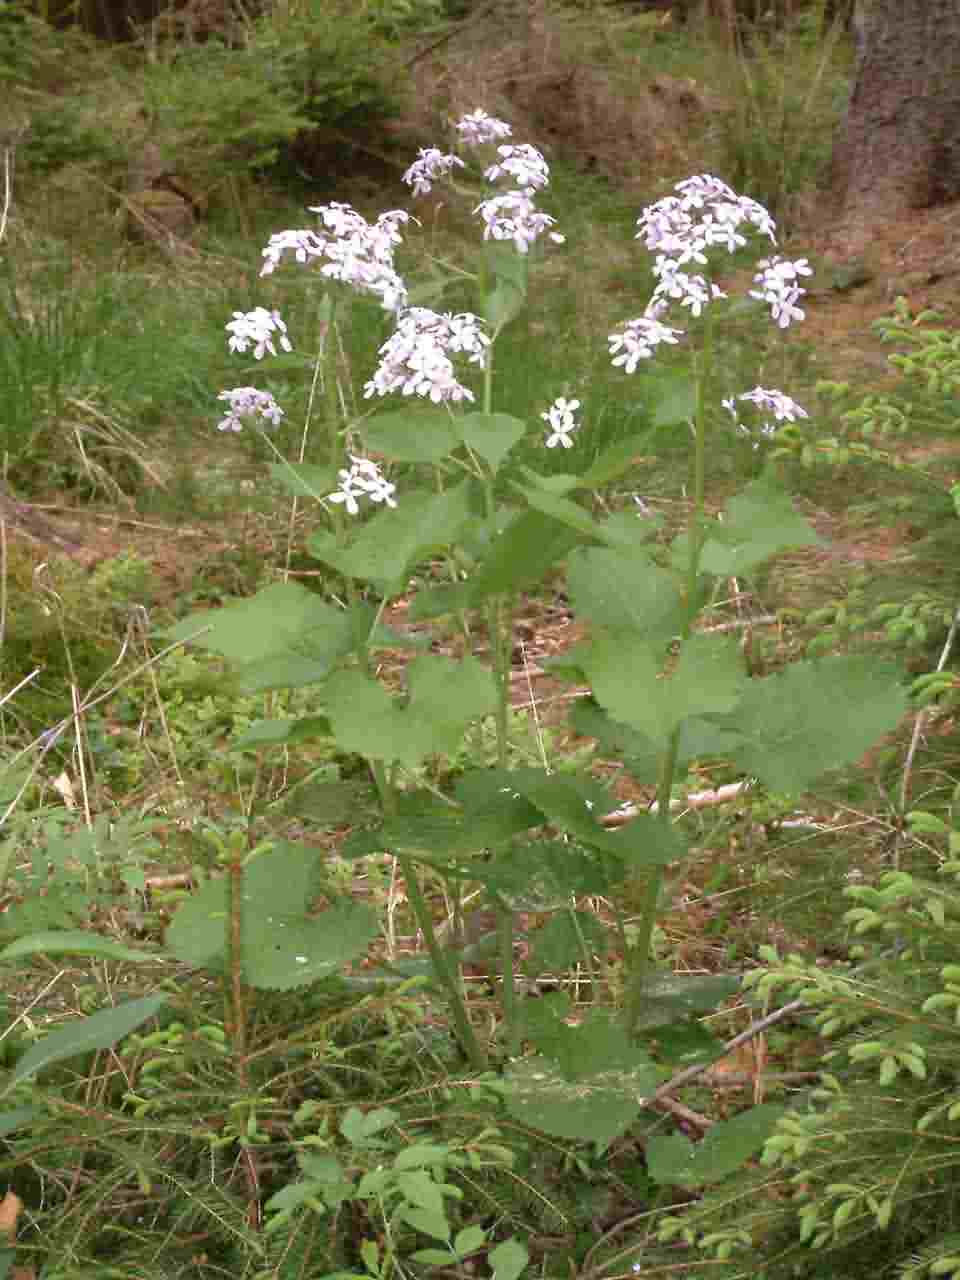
682	229
415	360
257	327
559	418
638	339
781	406
430	165
513	215
351	250
477	127
524	164
363	479
248	402
779	286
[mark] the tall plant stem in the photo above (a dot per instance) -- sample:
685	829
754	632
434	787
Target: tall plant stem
421	910
668	763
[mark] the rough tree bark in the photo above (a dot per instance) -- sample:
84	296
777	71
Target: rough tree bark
898	148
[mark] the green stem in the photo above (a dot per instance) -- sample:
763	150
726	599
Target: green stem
640	960
509	997
421	910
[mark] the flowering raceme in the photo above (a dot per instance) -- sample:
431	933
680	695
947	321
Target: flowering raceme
477	127
415	361
257	327
248	402
349	249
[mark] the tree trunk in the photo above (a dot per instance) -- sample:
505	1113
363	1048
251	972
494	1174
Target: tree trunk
899	146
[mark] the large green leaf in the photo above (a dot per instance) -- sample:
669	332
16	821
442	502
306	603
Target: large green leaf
676	400
394	541
282	946
597	1108
72	942
560	944
84	1035
724	1149
758	523
304	479
490	435
573	805
265	733
614	461
627	680
570	513
673	997
412	435
522	554
445	696
282	619
813	717
626	591
509	1260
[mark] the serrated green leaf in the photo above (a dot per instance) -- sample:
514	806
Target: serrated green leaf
282	619
445	696
675	401
359	1126
570	513
419	1188
815	716
671	997
432	1257
597	1110
266	733
625	591
627	680
282	947
614	461
99	1031
560	943
521	555
385	548
574	805
727	1145
73	942
304	479
412	435
490	435
758	523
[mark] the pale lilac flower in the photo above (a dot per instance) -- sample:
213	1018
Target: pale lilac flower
257	327
248	402
707	212
779	287
691	291
430	165
781	406
362	479
638	340
515	217
303	244
524	164
478	128
414	359
559	417
349	249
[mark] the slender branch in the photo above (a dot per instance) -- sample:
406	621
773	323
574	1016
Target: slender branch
691	1073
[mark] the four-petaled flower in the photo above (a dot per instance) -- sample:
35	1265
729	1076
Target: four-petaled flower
414	359
257	327
515	217
559	418
638	340
477	128
430	165
363	478
248	402
779	287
